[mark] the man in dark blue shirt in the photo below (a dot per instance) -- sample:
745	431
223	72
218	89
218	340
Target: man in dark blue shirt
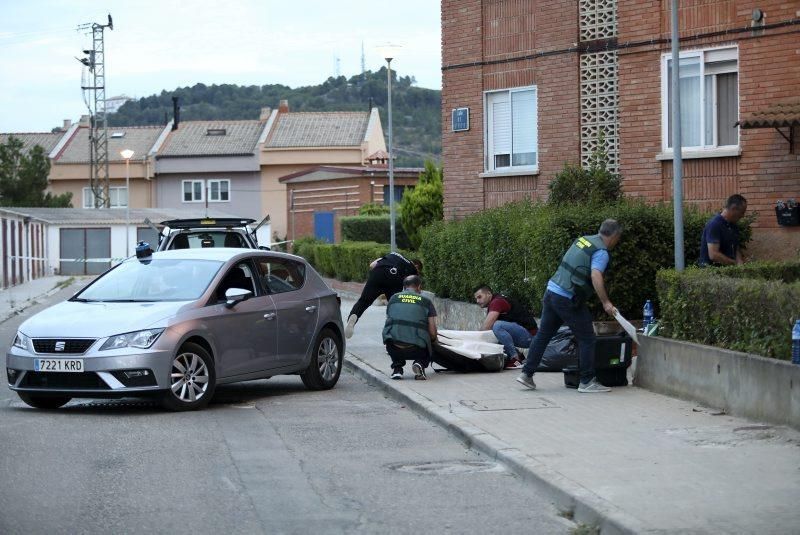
720	242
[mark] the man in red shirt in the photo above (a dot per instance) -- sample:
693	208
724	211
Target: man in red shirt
509	322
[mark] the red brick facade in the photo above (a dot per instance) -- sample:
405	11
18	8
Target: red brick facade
488	45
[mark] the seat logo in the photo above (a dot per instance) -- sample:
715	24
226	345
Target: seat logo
60	346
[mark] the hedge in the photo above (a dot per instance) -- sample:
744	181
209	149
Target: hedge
373	229
516	248
347	261
749	308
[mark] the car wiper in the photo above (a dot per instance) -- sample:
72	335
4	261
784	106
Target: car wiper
83	300
127	301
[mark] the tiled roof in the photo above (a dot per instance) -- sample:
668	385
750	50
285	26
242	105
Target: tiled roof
91	216
30	140
139	139
777	114
192	138
319	129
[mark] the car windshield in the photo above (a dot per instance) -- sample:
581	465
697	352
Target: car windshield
198	240
158	280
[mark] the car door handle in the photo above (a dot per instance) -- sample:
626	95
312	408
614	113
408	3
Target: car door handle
270	315
311	308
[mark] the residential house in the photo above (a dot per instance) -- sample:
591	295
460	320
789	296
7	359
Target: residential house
529	85
297	141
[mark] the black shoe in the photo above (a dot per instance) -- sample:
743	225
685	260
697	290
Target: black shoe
397	373
419	371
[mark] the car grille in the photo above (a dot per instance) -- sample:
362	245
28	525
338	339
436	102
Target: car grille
66	381
72	346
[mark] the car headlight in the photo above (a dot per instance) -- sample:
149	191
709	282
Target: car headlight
22	341
141	339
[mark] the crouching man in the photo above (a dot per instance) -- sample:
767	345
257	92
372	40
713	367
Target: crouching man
410	329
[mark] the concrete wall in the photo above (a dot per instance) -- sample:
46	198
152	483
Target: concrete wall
457	315
741	384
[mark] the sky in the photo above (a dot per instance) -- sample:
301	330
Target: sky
165	44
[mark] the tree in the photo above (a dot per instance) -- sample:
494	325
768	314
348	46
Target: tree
23	177
424	204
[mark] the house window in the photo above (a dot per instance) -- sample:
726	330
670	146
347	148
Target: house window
399	191
219	190
709	85
512	134
193	191
118	197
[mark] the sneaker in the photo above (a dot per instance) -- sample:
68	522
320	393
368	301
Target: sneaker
419	371
397	373
592	387
513	364
351	322
526	381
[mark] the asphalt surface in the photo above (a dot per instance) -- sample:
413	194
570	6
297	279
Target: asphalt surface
265	457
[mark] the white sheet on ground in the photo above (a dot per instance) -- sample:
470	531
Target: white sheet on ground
626	325
470	344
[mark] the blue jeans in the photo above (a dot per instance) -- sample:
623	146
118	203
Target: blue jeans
556	311
511	335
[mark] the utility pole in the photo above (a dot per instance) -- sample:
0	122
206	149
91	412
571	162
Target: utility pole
98	136
677	142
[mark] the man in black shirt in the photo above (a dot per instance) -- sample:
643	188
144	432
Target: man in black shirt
386	276
720	242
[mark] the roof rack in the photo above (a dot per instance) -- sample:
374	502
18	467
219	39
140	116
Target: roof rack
207	222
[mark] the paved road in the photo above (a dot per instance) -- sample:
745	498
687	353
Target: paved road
265	457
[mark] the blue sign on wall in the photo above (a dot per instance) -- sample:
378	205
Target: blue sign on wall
460	119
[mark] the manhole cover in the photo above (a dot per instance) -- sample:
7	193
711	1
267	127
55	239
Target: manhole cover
527	402
446	467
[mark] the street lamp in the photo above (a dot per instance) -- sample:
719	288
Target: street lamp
389	52
127	154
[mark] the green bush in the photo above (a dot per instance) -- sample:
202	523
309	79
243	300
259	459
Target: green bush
749	308
374	229
424	204
516	248
593	185
373	208
347	261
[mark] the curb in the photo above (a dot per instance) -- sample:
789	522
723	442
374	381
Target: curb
584	505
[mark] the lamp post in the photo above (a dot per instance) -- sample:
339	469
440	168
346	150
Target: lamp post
389	52
127	154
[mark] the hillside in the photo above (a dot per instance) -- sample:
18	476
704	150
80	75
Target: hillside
415	111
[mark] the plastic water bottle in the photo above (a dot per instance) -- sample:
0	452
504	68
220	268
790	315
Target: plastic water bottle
796	343
647	314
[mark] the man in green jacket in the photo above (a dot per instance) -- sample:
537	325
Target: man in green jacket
410	329
577	278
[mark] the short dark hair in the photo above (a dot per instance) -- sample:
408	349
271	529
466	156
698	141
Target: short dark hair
483	288
610	227
735	201
412	280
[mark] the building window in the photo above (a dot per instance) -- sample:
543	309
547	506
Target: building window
193	191
118	197
219	190
709	85
399	191
512	135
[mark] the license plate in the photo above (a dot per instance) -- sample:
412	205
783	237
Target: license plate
58	365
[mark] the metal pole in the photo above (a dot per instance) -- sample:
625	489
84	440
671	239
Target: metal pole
677	156
127	206
393	245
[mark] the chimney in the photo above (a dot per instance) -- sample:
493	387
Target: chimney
67	124
176	113
265	112
283	107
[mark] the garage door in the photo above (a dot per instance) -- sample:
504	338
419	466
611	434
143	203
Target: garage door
79	244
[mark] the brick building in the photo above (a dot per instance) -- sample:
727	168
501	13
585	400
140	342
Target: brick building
542	79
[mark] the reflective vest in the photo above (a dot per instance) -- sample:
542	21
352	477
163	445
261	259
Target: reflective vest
575	272
407	320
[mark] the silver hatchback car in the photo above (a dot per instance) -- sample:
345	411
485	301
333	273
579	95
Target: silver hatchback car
176	324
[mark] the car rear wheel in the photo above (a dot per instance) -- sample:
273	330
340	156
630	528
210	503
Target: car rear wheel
192	379
44	402
326	362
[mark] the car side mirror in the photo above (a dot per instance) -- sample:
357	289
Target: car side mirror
264	248
236	295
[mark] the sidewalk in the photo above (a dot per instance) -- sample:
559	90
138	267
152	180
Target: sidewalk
630	461
17	298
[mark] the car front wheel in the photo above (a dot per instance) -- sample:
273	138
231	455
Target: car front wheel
326	362
44	402
192	379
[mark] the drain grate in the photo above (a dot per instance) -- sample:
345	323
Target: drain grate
446	467
515	404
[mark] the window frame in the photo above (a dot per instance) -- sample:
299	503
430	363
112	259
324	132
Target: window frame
202	190
219	181
488	123
84	191
726	53
288	265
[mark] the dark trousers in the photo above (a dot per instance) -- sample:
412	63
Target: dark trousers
380	281
413	353
556	311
